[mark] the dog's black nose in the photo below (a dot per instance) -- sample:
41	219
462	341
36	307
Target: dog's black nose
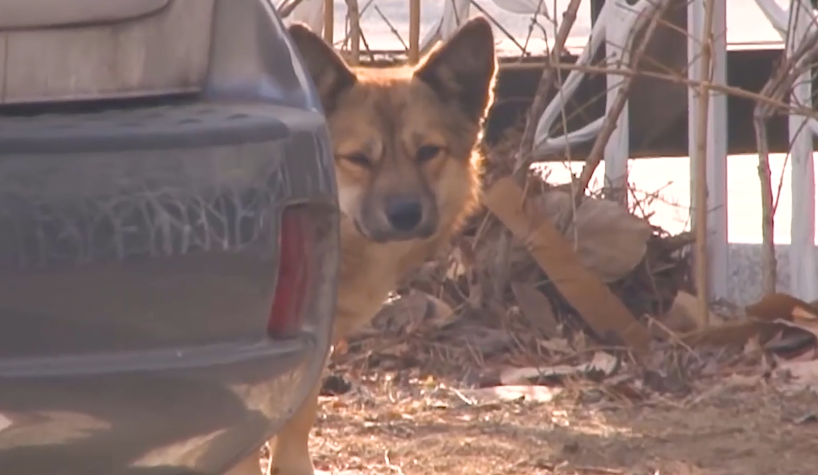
404	214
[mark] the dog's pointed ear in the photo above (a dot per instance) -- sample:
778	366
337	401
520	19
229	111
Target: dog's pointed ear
464	68
329	72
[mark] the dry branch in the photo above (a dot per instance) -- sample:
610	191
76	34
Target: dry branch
286	8
547	79
776	88
354	18
653	13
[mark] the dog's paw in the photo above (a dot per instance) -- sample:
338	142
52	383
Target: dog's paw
301	468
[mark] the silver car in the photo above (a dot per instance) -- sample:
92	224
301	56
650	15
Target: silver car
168	234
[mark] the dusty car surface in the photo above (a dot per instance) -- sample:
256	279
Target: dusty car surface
168	234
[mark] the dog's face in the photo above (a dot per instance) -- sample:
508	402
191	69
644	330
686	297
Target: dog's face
404	138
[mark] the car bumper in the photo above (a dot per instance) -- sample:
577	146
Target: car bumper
186	411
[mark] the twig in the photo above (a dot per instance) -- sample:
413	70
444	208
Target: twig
354	17
676	79
654	13
776	88
287	8
391	27
499	26
530	31
768	261
540	102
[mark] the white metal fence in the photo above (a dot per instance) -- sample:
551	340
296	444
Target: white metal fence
613	27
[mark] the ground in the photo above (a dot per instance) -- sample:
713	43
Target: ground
412	397
428	427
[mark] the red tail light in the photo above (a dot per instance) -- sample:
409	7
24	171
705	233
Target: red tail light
296	254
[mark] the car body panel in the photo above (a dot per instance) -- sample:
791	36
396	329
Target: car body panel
138	256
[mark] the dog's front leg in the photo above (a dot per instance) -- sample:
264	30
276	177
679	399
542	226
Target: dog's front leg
290	448
290	453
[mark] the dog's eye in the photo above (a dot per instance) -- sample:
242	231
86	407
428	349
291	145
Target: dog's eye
358	159
427	152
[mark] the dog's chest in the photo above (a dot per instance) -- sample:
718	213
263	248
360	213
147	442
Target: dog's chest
369	272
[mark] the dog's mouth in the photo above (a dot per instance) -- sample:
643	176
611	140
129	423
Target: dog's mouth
386	237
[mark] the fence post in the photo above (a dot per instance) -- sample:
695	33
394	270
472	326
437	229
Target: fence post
803	260
716	140
617	149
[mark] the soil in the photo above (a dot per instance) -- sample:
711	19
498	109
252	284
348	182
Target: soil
427	427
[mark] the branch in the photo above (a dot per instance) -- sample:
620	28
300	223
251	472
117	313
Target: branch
524	153
654	13
776	88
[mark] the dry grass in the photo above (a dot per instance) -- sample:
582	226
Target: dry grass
392	425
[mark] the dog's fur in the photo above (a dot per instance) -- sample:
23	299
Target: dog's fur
404	142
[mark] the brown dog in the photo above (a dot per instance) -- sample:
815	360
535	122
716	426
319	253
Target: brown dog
404	141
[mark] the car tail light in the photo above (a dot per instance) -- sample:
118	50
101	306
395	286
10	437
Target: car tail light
296	268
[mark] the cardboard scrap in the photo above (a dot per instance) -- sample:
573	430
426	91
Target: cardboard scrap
600	308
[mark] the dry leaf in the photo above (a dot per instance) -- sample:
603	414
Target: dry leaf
603	362
340	348
439	313
796	376
731	333
602	365
806	318
457	265
409	313
609	240
683	315
557	345
779	306
799	317
512	393
536	307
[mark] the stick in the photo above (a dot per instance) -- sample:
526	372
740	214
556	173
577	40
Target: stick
655	13
354	16
414	31
540	102
778	85
287	8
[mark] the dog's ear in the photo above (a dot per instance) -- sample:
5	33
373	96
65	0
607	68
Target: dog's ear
464	68
329	72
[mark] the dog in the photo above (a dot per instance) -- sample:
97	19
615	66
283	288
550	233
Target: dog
408	175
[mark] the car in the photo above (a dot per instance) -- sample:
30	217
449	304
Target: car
168	235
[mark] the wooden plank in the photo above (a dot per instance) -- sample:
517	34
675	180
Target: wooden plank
600	308
164	53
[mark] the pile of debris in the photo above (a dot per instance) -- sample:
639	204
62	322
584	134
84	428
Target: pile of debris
538	289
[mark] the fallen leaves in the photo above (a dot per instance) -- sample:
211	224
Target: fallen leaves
601	366
414	312
512	393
